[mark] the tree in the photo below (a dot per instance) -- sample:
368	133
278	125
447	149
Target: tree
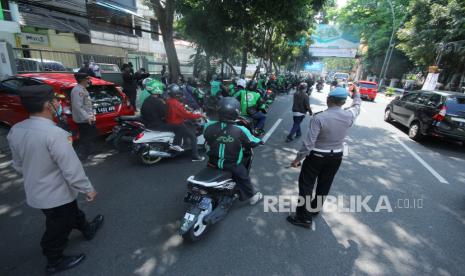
436	28
373	21
164	10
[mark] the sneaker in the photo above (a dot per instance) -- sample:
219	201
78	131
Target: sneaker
66	262
198	159
176	148
255	198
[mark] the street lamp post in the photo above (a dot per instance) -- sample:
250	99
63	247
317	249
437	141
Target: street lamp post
387	58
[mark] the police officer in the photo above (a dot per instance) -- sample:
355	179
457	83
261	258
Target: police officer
83	115
53	175
323	149
227	147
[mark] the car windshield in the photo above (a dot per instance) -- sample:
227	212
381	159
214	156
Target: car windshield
366	85
341	76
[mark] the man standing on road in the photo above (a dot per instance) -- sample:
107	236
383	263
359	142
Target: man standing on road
85	69
53	175
300	107
323	149
83	115
129	84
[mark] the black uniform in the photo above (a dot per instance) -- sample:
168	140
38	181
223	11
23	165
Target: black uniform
227	144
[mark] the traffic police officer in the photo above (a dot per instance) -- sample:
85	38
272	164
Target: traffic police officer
323	149
83	115
53	175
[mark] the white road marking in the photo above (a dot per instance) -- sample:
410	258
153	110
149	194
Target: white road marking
423	162
272	129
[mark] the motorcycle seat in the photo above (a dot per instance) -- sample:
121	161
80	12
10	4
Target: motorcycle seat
129	118
210	177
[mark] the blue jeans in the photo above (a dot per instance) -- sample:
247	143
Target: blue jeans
261	119
296	127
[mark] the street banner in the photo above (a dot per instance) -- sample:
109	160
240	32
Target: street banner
329	41
431	81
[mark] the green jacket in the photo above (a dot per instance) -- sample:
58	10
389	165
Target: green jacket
215	87
248	99
231	89
261	84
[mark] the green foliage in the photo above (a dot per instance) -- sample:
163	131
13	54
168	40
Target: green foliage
372	20
339	64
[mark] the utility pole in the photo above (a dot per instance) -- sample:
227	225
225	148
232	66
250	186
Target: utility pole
388	53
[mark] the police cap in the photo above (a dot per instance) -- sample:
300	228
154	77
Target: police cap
339	92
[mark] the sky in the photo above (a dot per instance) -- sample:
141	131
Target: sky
341	3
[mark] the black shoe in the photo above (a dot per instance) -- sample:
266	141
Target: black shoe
66	262
288	140
298	136
299	222
94	225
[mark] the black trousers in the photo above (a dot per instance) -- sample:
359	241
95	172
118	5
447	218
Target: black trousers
319	168
58	225
87	136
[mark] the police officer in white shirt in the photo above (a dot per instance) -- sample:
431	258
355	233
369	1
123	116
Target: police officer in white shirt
53	175
323	149
83	115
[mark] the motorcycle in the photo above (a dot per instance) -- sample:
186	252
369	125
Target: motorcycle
151	146
127	128
210	195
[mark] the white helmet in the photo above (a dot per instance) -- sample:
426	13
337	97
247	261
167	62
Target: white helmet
242	83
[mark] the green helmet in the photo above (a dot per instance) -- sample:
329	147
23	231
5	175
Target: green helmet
155	87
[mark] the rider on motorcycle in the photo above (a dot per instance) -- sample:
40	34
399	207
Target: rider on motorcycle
251	103
178	115
227	142
153	86
261	82
153	114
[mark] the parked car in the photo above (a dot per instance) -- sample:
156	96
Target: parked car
430	113
108	100
38	65
368	90
341	78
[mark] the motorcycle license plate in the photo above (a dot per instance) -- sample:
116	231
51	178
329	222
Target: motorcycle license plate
193	198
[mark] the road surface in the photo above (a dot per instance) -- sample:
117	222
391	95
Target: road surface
142	207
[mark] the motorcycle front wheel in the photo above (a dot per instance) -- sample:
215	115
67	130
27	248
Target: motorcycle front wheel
145	157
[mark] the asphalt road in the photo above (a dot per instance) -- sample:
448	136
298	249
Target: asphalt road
142	207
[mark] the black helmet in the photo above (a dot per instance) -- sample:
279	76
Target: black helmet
252	85
174	91
303	86
228	109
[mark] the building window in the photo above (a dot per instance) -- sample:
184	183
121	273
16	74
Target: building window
26	53
5	10
154	29
138	30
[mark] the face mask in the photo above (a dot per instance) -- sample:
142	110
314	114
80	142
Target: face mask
59	110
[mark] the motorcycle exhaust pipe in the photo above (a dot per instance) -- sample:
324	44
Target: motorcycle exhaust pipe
156	153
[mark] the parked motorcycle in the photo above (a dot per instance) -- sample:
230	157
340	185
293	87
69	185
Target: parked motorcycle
151	146
125	131
210	195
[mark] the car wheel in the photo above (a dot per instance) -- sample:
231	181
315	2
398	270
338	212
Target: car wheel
387	115
414	132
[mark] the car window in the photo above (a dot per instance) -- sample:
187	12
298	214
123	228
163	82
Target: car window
366	85
11	86
422	99
409	97
435	100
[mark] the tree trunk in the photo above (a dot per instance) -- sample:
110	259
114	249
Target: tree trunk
244	60
165	17
209	69
196	62
222	67
258	69
231	66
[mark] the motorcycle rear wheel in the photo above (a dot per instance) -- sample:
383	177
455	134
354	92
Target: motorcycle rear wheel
196	232
146	159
